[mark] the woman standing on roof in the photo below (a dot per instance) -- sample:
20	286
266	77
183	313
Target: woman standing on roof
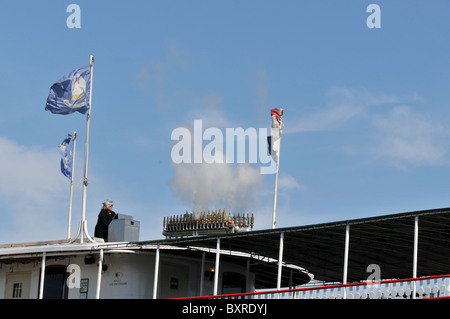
105	217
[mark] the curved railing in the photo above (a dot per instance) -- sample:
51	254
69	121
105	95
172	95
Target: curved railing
431	287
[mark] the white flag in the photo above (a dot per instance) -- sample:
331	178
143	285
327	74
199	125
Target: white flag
276	131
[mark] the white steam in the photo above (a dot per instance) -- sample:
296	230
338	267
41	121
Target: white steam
214	184
218	185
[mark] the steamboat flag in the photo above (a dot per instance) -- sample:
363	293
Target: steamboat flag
273	148
66	151
71	93
274	140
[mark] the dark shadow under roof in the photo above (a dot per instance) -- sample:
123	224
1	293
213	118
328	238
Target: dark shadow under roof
387	241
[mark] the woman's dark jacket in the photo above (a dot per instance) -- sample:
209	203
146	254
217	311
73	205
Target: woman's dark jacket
105	217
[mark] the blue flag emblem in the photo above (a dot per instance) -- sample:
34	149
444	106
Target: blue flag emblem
71	93
66	151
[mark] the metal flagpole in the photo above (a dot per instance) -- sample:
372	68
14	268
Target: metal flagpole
82	230
71	184
86	151
275	194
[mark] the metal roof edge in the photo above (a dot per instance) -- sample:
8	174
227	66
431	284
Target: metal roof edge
301	227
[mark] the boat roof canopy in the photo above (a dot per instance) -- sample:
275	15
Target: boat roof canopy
387	241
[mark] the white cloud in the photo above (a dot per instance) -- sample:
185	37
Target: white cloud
329	119
342	106
405	137
287	182
32	191
393	131
29	172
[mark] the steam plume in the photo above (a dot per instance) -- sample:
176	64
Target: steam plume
217	185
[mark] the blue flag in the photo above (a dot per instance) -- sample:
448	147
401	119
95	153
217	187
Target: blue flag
71	93
66	151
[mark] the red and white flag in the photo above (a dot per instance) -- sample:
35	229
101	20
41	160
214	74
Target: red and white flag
276	129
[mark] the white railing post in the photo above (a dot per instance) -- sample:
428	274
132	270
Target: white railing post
347	241
280	260
99	274
156	275
416	243
41	286
216	268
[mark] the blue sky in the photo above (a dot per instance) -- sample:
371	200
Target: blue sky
366	110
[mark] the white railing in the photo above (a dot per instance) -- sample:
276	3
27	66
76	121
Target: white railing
412	288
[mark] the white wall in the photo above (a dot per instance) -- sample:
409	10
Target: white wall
130	275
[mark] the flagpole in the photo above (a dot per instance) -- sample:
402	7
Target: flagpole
71	184
83	224
275	194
